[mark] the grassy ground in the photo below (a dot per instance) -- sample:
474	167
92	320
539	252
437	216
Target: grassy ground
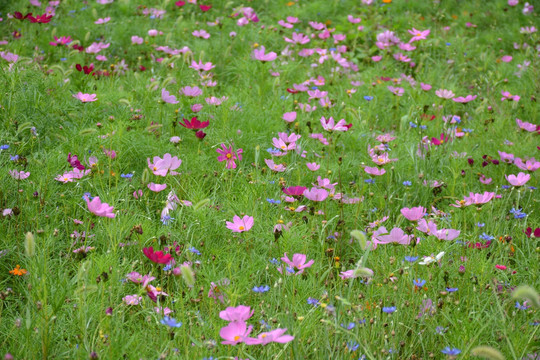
73	305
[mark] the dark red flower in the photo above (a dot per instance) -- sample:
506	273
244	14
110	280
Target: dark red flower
180	3
292	91
470	161
42	19
86	69
529	231
142	68
428	117
205	8
19	16
294	190
74	162
78	47
200	134
158	257
194	123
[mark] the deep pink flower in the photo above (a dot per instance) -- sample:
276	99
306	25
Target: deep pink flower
98	208
298	262
294	190
519	180
240	224
418	34
229	155
507	96
157	256
64	40
441	140
194	123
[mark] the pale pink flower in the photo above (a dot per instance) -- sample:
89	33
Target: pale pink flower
519	180
19	175
216	101
418	34
297	38
201	34
202	67
102	20
161	167
506	58
285	24
136	40
85	97
196	107
315	194
466	99
9	57
376	58
413	214
425	87
447	234
396	90
240	313
353	20
484	180
527	126
507	96
289	116
167	97
132	299
259	54
98	208
235	333
275	167
191	91
396	235
330	125
157	187
153	32
445	94
264	338
240	224
65	178
298	262
374	171
506	158
313	166
529	165
429	228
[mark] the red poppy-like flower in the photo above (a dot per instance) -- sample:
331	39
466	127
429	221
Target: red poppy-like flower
157	256
194	123
42	19
205	8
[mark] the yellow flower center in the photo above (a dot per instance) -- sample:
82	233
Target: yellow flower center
229	156
264	335
236	338
241	228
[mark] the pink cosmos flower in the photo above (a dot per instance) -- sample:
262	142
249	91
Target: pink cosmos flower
64	178
396	90
441	140
519	180
506	58
425	87
157	187
240	224
413	214
445	94
191	91
330	125
85	97
64	40
275	167
289	116
236	314
529	165
136	40
229	155
353	20
9	57
202	67
258	54
465	100
374	171
161	167
506	158
285	24
297	38
507	96
132	299
269	337
196	107
102	21
298	262
447	234
397	235
216	101
19	175
235	333
484	180
315	194
98	208
167	97
376	58
201	34
313	166
426	227
418	35
527	126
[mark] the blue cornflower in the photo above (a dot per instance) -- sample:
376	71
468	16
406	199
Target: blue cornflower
413	125
450	351
407	183
505	187
440	330
362	321
313	301
389	309
170	322
448	44
352	346
4	147
349	326
368	98
87	196
290	269
518	214
314	87
166	219
273	201
486	237
126	176
451	290
423	127
332	49
419	282
274	261
467	130
195	251
480	225
273	150
14	158
370	181
63	59
411	258
521	307
374	210
265	324
261	289
167	267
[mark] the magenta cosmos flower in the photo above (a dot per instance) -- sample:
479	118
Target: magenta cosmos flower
98	208
85	97
330	124
161	167
235	333
276	335
236	314
259	54
298	262
229	155
519	180
240	224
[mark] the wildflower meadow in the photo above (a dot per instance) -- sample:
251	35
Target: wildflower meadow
269	179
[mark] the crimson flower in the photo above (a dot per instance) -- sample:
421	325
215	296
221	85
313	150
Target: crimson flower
440	140
292	91
529	231
205	8
180	3
19	16
78	47
194	123
86	69
158	257
43	19
200	134
74	162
